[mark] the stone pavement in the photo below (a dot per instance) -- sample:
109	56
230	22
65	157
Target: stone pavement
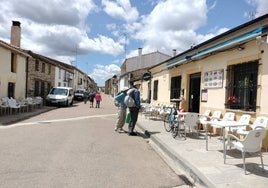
203	168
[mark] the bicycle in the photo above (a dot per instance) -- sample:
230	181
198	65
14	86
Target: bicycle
171	121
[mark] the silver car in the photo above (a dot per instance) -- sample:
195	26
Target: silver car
61	96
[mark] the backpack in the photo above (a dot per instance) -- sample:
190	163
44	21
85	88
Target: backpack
129	101
116	103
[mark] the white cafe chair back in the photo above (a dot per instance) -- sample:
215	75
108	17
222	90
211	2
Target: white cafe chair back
259	121
216	115
229	116
204	117
244	119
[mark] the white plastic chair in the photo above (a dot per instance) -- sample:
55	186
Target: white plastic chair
259	121
12	103
191	122
216	115
228	116
245	119
204	117
251	143
4	107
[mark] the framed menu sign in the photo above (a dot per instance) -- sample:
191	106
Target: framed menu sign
213	79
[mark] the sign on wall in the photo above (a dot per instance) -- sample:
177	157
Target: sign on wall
213	79
204	95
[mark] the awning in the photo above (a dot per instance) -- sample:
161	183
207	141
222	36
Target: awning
235	41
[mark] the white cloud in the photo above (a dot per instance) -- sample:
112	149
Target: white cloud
56	28
102	44
173	28
261	7
104	72
121	9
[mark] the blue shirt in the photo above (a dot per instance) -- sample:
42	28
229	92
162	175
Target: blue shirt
137	99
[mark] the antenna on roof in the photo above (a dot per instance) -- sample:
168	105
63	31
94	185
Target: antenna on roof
252	14
125	45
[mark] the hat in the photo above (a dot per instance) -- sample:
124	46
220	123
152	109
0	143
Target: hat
137	83
125	89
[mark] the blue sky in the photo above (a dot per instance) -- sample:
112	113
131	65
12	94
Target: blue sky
97	35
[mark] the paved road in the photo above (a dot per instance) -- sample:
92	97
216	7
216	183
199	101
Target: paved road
77	147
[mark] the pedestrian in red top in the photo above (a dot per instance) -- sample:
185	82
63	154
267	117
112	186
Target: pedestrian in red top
98	99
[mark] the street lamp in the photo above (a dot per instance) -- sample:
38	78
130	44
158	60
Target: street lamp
114	83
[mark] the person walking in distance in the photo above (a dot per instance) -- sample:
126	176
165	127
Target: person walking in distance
91	97
98	99
122	110
134	111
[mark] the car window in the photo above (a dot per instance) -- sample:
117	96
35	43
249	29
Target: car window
59	91
79	91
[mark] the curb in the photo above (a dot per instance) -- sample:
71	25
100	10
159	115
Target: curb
8	120
194	176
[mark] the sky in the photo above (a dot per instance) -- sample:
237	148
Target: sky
97	36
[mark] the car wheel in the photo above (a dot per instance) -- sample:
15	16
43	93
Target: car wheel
67	103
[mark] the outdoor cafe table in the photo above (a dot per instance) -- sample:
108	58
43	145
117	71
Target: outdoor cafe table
222	124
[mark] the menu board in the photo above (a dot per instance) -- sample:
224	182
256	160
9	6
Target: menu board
213	79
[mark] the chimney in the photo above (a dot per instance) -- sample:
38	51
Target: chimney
15	33
140	51
139	58
174	52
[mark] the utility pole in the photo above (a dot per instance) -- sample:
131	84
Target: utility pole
125	45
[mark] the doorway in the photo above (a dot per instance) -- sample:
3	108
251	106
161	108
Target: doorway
194	92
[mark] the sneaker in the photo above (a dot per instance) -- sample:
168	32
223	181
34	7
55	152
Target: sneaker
132	134
121	130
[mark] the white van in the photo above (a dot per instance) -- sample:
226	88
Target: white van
61	96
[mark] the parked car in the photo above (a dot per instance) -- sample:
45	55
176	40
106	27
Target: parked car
79	94
61	96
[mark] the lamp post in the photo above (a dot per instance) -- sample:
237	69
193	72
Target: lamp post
114	83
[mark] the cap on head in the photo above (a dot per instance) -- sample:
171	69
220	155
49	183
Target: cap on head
125	89
137	83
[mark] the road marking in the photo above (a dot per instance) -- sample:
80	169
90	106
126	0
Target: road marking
55	120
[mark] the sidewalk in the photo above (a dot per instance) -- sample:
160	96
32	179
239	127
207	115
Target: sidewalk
203	167
9	119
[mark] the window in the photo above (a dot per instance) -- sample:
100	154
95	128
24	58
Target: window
155	90
241	86
42	89
175	87
80	81
65	76
43	67
59	73
48	88
36	65
13	62
11	89
36	88
49	69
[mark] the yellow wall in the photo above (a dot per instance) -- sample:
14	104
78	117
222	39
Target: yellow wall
216	96
19	78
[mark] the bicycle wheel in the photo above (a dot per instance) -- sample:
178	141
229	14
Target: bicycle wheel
174	131
167	123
